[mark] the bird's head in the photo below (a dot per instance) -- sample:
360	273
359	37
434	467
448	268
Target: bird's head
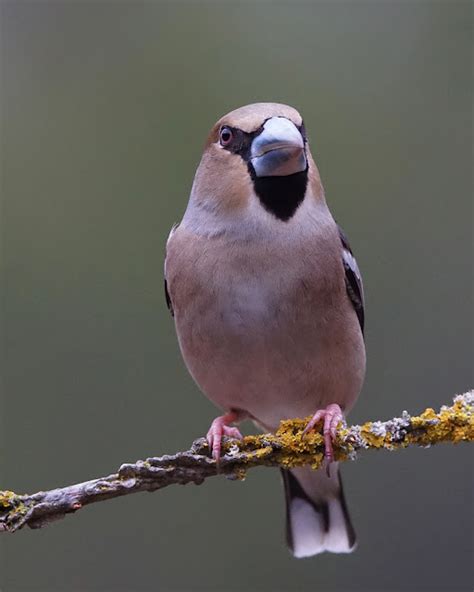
257	157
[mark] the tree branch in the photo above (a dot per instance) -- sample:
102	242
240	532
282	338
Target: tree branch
286	448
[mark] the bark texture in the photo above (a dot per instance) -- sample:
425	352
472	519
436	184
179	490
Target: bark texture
286	448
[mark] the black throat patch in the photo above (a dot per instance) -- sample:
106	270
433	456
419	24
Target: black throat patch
281	196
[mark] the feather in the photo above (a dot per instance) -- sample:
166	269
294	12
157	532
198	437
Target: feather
354	286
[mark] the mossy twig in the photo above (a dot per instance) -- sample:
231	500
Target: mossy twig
286	448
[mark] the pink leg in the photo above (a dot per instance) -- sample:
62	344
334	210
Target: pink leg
332	415
220	427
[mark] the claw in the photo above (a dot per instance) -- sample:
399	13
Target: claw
220	427
332	415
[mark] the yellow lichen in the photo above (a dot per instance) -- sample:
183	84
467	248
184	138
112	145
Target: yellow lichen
374	440
12	507
452	424
290	447
7	498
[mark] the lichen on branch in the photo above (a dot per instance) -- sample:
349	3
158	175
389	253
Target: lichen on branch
288	447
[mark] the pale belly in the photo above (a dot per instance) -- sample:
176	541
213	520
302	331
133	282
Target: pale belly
271	354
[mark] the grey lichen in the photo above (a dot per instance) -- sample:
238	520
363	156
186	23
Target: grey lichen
288	447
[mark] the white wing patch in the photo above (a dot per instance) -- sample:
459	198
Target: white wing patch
351	262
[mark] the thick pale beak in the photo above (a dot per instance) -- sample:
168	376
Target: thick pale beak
278	150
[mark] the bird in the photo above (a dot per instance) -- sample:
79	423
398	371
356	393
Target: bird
268	304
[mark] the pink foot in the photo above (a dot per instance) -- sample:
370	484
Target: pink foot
332	415
220	427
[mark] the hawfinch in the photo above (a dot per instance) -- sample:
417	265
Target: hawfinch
268	303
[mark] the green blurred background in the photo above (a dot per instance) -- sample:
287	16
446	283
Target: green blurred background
105	109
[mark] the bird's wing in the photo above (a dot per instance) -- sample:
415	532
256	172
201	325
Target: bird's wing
354	287
169	303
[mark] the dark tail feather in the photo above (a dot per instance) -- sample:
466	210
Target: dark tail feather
317	518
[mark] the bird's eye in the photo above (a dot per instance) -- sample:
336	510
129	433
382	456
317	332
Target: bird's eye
226	136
